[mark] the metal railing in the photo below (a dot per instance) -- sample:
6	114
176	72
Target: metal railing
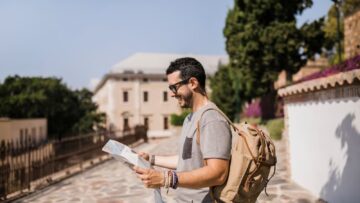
22	163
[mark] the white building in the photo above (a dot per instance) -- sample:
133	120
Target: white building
136	91
322	125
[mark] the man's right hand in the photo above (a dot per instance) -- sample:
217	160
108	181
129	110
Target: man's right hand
144	155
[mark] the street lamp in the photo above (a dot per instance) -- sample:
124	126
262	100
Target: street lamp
337	6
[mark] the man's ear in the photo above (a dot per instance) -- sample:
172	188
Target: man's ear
194	83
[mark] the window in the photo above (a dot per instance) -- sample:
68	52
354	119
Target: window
125	96
126	126
146	96
146	122
165	96
166	123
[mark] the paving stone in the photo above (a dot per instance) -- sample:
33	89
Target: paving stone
113	182
304	201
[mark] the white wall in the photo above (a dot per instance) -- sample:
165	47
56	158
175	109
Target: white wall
324	140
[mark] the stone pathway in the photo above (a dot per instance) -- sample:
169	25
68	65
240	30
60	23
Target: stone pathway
113	182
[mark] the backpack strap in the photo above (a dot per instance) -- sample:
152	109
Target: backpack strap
198	123
230	123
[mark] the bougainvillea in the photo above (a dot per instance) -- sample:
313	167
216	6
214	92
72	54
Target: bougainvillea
254	109
350	64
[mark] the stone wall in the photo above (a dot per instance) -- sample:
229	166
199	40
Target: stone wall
352	35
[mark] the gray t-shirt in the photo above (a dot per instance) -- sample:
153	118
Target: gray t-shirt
215	142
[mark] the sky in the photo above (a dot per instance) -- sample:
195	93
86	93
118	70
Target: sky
79	41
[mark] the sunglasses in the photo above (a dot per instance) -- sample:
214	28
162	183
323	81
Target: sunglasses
174	87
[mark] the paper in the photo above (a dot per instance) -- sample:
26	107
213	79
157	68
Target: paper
124	153
127	155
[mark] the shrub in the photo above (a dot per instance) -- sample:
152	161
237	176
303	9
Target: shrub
178	120
275	127
253	109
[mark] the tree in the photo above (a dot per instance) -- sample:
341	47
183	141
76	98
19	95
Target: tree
223	94
331	30
350	6
36	97
87	111
262	40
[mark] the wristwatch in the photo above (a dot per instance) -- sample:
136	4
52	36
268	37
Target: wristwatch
152	160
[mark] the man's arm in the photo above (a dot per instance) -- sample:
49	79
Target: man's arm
169	162
214	173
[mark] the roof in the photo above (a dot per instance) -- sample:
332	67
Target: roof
348	71
341	78
157	63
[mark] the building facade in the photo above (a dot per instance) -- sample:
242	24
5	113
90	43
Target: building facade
23	129
136	92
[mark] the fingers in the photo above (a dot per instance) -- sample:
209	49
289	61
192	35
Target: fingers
149	177
144	155
140	170
143	177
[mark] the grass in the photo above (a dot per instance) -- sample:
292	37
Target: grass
275	128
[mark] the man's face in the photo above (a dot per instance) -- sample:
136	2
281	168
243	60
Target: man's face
180	89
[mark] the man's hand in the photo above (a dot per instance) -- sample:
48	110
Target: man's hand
144	155
150	177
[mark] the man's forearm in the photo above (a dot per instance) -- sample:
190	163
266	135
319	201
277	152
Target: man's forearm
169	162
210	175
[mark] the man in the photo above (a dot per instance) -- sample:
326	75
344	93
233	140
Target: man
198	166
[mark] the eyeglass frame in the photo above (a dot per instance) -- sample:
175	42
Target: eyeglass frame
173	88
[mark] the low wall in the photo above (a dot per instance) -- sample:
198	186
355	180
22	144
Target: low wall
323	131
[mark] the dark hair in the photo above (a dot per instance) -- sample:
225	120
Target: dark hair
188	67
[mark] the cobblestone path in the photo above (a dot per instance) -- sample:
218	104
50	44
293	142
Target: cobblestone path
113	182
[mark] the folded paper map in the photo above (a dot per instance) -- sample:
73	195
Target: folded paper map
125	153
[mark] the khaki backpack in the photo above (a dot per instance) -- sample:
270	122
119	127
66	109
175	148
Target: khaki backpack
252	156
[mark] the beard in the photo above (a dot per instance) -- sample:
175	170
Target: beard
185	100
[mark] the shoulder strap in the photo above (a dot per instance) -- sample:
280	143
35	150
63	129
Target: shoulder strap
198	123
230	123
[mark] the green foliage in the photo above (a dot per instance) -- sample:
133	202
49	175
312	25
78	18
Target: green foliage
313	37
275	128
262	39
350	6
67	111
178	120
223	94
88	109
333	34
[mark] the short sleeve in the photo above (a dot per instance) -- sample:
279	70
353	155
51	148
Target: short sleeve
215	139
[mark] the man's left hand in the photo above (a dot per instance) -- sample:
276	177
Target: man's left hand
150	177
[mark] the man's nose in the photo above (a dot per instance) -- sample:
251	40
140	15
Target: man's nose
172	94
